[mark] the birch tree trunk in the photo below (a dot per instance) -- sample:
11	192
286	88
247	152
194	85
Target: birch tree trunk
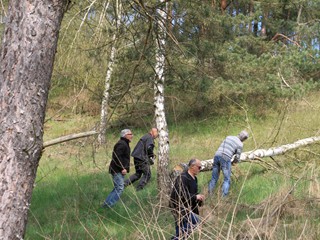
251	13
163	149
27	55
68	138
105	99
252	155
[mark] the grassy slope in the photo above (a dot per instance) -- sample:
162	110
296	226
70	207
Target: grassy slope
73	181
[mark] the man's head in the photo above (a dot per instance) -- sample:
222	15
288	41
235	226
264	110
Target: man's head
126	133
243	135
154	132
194	166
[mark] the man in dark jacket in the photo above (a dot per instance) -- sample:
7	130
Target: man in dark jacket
184	200
143	157
119	166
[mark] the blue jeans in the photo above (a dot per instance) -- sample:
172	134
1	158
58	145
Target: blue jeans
185	225
221	163
114	196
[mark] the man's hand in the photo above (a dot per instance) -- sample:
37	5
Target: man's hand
151	160
200	197
234	160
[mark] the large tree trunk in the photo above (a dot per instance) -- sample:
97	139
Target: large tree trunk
27	56
163	151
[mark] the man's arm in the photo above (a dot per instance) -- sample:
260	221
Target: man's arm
180	196
151	155
238	145
236	156
150	148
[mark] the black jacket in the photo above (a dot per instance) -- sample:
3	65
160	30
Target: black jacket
120	157
144	148
183	198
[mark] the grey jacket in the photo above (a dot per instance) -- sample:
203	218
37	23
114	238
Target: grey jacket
229	147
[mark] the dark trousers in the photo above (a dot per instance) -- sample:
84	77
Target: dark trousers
143	172
185	225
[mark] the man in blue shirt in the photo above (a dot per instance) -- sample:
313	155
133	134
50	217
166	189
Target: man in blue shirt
231	147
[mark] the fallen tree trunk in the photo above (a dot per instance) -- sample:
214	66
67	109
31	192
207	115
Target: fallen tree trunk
252	155
68	138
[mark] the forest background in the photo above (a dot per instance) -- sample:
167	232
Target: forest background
229	65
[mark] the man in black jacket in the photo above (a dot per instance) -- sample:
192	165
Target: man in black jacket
185	199
119	166
143	157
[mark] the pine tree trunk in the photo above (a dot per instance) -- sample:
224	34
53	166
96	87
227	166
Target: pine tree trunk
27	55
163	150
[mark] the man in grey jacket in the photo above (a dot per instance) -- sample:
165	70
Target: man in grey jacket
143	157
231	147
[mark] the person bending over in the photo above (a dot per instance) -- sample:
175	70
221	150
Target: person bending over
231	147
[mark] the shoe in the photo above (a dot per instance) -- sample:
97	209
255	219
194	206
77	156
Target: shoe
139	188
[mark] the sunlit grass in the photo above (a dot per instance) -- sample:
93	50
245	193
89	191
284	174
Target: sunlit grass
73	181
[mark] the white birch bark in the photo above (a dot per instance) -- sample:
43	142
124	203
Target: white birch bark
68	138
106	93
163	147
261	153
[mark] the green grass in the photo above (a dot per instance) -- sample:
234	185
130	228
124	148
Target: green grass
73	181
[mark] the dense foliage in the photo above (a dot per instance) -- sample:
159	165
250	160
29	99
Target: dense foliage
244	53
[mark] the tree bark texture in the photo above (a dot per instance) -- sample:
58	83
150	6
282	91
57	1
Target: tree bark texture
163	150
105	99
27	55
206	165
